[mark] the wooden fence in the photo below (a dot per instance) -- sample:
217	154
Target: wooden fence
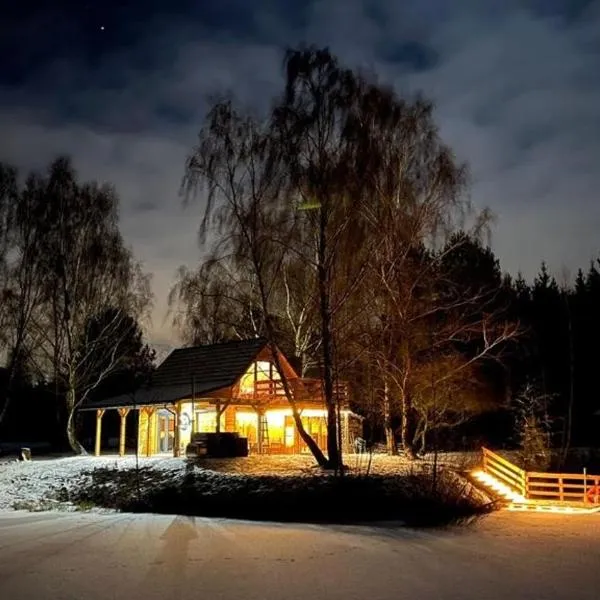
565	487
561	487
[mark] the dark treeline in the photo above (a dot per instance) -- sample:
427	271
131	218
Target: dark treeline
72	300
558	350
552	362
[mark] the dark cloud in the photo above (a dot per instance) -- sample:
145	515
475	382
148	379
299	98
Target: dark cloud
145	206
515	85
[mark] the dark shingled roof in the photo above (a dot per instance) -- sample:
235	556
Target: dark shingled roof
212	367
225	362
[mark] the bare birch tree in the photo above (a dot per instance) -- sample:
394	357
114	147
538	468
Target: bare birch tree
88	273
232	161
215	303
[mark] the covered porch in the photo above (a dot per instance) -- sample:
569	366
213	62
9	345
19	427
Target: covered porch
167	429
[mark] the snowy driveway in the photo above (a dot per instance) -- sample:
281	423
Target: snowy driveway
96	556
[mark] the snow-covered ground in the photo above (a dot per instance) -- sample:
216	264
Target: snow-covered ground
32	485
514	556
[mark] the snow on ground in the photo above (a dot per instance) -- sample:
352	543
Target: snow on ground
520	556
32	485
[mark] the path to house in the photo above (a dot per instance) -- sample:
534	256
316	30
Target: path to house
95	556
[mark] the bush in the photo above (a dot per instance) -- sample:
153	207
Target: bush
416	499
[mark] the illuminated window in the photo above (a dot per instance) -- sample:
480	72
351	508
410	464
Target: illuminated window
289	436
261	370
206	421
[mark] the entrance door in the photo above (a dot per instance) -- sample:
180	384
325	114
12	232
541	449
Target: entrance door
166	431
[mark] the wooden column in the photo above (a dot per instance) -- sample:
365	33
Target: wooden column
99	415
230	418
142	435
146	431
260	434
176	448
152	433
218	417
123	412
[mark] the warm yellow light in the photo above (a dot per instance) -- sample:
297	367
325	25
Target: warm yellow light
500	488
552	508
206	421
246	418
304	412
519	503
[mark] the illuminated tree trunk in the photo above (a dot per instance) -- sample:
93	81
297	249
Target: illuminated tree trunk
405	425
333	451
71	421
390	437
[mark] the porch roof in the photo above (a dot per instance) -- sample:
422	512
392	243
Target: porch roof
164	394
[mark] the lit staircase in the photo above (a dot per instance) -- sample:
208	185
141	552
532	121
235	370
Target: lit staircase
498	488
514	501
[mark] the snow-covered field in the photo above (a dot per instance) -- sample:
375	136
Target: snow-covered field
517	556
32	485
97	556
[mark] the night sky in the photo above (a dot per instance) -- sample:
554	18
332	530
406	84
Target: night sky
122	87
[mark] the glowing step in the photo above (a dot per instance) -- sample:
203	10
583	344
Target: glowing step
500	488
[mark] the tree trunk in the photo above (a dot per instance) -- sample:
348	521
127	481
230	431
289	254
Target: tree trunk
71	424
423	439
404	426
306	437
4	410
340	433
333	452
8	393
390	437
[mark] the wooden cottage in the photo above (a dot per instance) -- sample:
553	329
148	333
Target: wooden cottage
232	386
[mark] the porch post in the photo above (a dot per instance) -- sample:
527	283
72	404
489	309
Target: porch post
150	442
218	416
123	412
99	415
176	449
260	434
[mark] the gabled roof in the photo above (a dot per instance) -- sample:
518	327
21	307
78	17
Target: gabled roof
211	367
222	363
